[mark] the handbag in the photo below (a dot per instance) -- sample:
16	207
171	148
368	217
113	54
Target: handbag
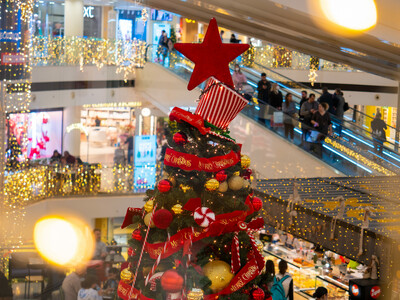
278	117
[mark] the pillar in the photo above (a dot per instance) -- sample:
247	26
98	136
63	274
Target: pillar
72	139
73	18
396	145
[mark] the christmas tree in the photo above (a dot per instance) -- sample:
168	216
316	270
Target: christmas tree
194	235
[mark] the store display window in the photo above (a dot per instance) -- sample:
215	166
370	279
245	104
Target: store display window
108	128
48	19
131	25
35	135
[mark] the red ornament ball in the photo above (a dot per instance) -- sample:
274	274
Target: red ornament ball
247	173
180	138
257	203
258	294
131	252
171	281
136	235
221	176
162	218
164	186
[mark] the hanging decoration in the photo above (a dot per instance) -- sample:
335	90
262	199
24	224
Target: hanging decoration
145	16
312	76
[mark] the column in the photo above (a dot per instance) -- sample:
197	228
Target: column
396	145
72	139
73	18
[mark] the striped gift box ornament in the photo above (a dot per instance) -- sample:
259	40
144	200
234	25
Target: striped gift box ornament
219	104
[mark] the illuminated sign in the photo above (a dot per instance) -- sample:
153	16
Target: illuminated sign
12	59
145	163
355	290
88	12
375	292
12	36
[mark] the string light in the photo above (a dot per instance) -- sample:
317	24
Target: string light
126	55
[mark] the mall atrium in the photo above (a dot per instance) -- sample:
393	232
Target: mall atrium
199	149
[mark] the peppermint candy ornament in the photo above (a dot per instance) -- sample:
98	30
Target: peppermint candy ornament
203	216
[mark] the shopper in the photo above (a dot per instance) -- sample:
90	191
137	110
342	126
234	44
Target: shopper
308	109
303	100
290	117
234	40
322	121
111	285
97	121
130	141
321	293
100	252
56	157
275	97
263	89
221	34
327	98
338	102
285	279
88	290
378	127
239	79
72	283
69	159
268	278
119	156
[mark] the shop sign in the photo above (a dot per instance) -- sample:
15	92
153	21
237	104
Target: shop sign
375	292
12	36
12	59
355	290
88	12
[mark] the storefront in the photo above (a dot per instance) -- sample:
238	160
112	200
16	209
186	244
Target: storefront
131	25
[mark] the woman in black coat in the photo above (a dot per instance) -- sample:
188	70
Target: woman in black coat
275	97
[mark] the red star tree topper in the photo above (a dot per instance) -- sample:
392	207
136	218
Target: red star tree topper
211	58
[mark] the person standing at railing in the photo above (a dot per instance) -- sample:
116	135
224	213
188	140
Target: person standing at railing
378	127
290	116
239	79
130	141
161	44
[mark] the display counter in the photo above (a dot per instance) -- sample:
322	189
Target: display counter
308	272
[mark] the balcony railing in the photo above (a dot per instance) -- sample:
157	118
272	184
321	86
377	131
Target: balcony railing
78	51
39	182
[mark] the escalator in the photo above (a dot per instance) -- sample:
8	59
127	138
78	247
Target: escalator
351	152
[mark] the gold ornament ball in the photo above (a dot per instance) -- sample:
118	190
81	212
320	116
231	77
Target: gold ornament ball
147	220
219	272
212	184
195	294
235	183
177	209
223	187
148	207
245	161
126	276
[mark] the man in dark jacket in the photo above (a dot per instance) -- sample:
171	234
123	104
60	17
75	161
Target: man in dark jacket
302	100
378	127
327	98
263	89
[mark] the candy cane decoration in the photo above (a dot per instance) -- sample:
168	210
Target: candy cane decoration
141	253
153	269
235	258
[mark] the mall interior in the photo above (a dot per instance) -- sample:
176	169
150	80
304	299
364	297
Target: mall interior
275	176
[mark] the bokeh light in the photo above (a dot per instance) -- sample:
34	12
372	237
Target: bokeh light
62	241
351	14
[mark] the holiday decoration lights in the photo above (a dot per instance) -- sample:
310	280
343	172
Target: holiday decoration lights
76	51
